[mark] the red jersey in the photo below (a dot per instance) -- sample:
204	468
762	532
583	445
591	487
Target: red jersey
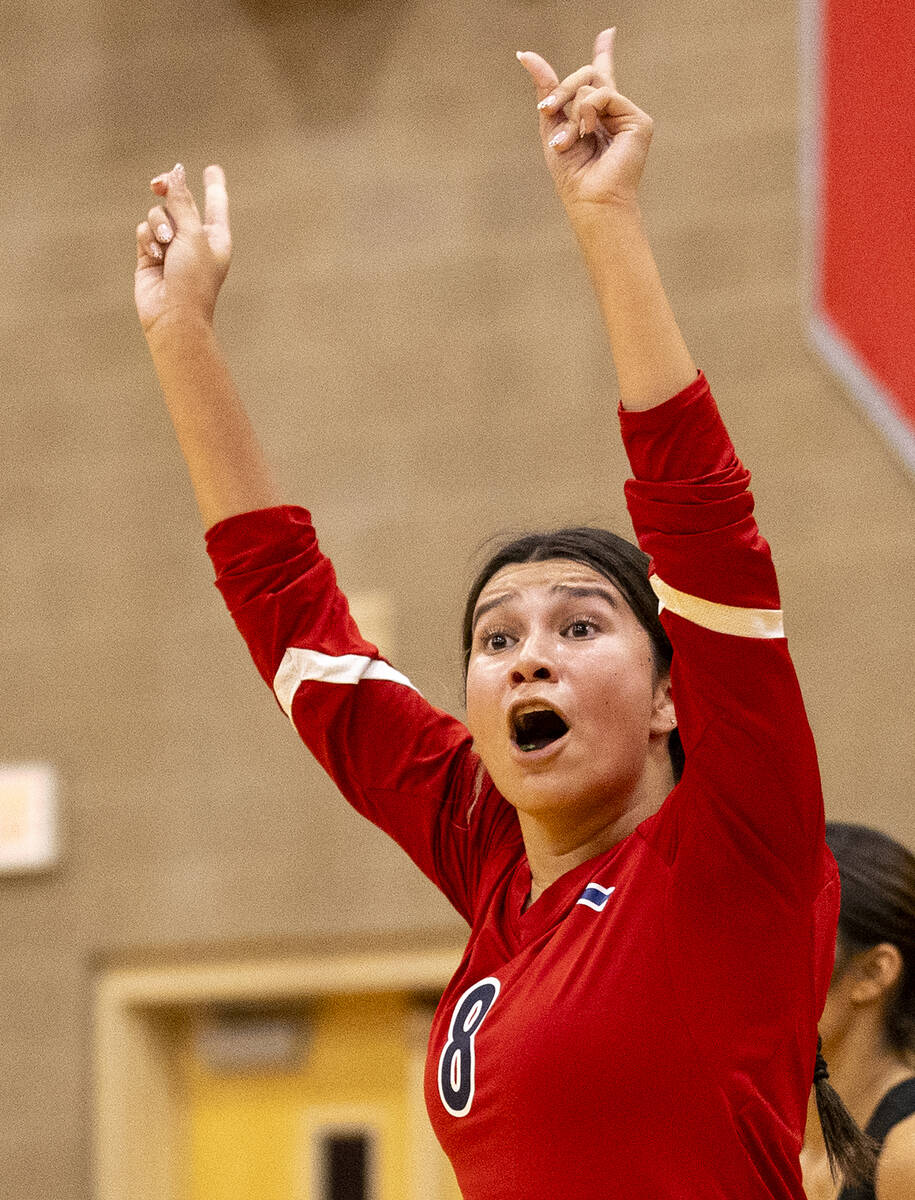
646	1029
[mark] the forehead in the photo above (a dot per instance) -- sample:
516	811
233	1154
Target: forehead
517	578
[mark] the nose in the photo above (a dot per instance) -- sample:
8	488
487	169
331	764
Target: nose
533	662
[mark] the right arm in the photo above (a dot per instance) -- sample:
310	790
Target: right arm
402	763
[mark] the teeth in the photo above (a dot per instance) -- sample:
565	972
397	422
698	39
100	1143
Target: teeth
529	708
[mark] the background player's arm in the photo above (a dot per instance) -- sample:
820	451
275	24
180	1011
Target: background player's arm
181	264
595	142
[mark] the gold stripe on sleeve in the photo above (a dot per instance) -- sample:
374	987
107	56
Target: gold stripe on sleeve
720	618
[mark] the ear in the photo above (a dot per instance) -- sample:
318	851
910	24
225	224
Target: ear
663	715
876	973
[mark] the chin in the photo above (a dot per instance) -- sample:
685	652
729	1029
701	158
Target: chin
542	792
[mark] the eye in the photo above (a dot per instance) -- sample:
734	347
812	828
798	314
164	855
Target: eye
581	627
494	640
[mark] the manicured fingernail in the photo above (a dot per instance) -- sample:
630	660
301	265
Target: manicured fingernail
164	233
548	102
558	138
158	179
521	55
155	250
581	129
178	171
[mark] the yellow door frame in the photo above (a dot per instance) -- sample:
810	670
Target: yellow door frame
138	1023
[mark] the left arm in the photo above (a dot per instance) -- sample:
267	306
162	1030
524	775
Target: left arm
595	143
739	709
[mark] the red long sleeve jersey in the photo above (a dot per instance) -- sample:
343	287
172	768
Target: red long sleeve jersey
646	1029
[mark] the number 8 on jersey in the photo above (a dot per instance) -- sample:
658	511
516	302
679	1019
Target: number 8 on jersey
457	1065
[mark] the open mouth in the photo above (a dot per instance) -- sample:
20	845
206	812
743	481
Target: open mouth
534	728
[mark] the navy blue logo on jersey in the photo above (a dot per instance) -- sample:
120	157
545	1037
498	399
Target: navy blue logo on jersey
457	1065
595	896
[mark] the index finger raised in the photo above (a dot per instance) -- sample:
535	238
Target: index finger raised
603	57
540	71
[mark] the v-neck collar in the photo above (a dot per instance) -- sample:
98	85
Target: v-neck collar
556	901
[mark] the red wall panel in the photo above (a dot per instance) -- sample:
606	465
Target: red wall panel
861	154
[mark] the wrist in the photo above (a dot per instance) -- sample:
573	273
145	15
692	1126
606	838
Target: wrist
179	332
606	226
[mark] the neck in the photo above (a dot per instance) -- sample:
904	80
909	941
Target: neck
555	844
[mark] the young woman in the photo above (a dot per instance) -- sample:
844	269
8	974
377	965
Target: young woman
868	1024
636	1012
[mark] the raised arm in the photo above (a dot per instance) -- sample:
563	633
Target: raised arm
400	762
595	142
740	716
181	264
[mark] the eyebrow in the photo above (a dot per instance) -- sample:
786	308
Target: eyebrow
485	607
579	591
583	590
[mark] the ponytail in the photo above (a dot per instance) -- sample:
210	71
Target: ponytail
851	1152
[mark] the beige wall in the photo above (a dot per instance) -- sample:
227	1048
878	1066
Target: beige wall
415	334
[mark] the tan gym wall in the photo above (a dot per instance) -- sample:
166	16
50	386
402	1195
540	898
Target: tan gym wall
410	324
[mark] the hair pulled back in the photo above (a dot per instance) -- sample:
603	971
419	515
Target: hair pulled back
878	905
618	560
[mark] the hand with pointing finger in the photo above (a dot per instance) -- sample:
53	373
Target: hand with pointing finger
181	260
595	141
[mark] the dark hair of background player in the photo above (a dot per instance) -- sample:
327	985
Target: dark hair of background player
878	905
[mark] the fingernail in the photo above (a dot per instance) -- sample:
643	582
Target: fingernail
178	171
581	129
521	54
558	138
548	102
155	250
164	233
158	179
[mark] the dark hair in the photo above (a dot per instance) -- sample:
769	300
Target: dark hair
852	1154
878	905
623	564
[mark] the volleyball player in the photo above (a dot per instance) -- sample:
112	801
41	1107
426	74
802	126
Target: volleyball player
868	1024
630	819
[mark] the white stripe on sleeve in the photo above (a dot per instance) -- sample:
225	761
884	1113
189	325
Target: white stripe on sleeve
299	665
720	618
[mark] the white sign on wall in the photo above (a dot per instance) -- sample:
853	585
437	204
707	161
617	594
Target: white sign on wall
28	817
